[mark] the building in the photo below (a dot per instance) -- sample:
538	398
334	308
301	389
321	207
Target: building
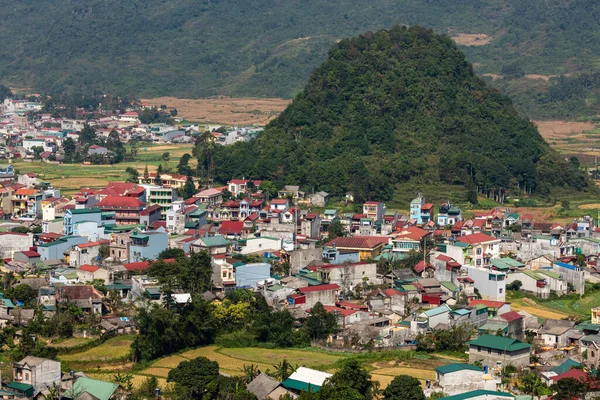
56	249
213	244
415	208
499	351
448	214
210	197
490	284
11	242
33	375
368	247
147	245
90	273
127	209
86	253
481	395
477	249
374	210
347	275
458	378
162	196
175	181
86	297
555	332
237	186
150	214
307	297
27	204
73	216
252	275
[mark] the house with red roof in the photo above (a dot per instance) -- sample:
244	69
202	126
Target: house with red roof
477	249
409	239
86	253
347	316
387	299
127	209
368	247
308	296
28	256
90	273
237	186
232	229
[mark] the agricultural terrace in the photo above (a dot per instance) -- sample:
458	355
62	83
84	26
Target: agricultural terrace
104	361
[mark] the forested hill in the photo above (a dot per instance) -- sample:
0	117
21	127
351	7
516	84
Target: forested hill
197	48
392	106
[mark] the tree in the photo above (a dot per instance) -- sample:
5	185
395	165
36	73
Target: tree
269	189
565	204
147	387
353	376
226	195
189	189
514	285
87	135
404	387
69	148
193	378
165	156
183	167
171	252
146	174
22	293
37	152
173	112
568	388
5	93
530	383
158	177
134	175
336	229
320	323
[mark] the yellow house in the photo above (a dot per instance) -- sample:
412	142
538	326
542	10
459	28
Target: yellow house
596	315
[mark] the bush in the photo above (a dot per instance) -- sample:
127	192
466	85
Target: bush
239	338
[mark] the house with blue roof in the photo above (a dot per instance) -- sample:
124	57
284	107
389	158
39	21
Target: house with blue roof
572	274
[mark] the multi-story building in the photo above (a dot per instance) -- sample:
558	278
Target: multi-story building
415	208
32	375
175	181
477	249
127	209
147	245
374	210
27	204
163	196
71	217
448	214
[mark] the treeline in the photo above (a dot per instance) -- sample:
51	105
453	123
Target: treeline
242	319
393	106
97	45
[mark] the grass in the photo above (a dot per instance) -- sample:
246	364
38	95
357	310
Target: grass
571	305
114	349
272	356
70	342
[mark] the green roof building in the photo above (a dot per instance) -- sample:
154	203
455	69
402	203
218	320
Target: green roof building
498	350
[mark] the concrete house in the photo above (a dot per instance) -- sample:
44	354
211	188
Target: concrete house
498	350
319	199
347	275
86	253
555	332
214	244
250	275
11	242
307	297
32	375
458	378
147	244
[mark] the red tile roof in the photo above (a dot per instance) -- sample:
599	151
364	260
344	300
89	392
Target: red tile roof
487	303
158	224
231	227
340	311
279	201
120	201
30	254
476	238
443	257
191	200
579	375
511	316
92	244
137	266
319	288
89	268
392	292
359	242
421	265
151	209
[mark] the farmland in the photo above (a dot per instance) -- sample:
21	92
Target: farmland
224	110
110	357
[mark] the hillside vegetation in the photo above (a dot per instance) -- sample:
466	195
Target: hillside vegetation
196	48
393	106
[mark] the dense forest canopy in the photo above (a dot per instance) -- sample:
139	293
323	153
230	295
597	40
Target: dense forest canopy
198	48
392	106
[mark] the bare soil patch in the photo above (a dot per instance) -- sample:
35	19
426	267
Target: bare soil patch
224	110
472	39
559	129
494	76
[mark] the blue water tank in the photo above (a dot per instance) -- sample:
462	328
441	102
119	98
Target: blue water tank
486	369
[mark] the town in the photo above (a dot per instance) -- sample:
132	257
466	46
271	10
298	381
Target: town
381	279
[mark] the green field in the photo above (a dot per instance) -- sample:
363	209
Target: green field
70	342
568	306
71	177
114	349
105	360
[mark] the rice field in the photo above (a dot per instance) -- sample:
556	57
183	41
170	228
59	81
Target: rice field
71	342
113	349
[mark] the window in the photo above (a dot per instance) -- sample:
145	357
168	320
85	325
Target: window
27	376
479	251
478	261
500	290
489	351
